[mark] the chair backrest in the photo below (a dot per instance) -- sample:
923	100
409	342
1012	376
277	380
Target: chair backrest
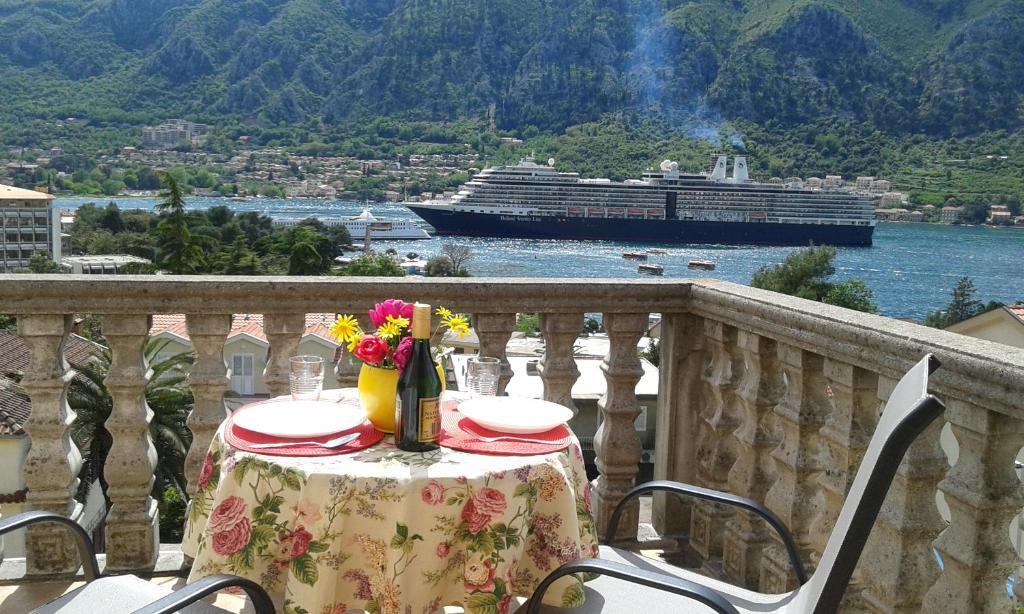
908	412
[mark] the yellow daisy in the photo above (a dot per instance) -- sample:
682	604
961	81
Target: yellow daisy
458	325
346	328
392	327
444	313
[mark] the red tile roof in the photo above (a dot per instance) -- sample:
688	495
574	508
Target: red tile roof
15	407
1017	310
251	324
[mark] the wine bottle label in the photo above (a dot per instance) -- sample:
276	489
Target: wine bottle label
430	420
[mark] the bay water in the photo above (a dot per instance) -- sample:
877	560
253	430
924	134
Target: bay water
911	268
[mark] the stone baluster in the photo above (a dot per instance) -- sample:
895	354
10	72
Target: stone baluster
132	532
716	451
984	494
53	462
853	395
798	416
208	379
616	444
283	331
759	390
898	565
494	330
680	367
557	366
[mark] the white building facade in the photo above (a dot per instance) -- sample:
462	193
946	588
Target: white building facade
29	223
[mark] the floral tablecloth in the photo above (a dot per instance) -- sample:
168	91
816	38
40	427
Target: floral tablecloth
392	532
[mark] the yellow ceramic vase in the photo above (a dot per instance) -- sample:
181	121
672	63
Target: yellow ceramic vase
378	389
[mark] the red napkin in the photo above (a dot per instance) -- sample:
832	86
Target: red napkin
461	433
242	439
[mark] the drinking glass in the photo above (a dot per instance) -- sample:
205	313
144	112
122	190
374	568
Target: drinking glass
482	375
306	377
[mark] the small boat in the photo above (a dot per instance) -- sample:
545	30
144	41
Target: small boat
651	269
704	265
657	251
634	255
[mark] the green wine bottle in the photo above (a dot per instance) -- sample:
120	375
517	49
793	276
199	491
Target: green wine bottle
418	410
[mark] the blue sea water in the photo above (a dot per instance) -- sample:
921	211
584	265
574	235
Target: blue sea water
911	268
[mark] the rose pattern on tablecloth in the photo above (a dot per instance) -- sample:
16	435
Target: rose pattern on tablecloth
325	543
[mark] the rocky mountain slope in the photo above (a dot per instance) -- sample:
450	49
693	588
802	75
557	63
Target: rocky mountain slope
934	66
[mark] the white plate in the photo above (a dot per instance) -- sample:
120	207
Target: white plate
514	414
293	419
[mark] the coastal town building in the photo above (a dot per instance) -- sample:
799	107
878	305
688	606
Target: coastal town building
29	223
891	199
1003	325
950	215
172	133
246	346
110	264
999	215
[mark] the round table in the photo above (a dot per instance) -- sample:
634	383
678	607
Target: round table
392	532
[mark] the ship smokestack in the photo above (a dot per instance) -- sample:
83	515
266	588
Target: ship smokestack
718	173
739	170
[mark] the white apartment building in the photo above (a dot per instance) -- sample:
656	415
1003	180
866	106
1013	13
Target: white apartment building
29	223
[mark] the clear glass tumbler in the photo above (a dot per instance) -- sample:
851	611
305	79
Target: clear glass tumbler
306	377
482	375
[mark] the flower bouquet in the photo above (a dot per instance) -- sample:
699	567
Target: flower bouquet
385	353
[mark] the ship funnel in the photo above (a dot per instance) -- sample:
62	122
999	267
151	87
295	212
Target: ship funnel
739	170
718	173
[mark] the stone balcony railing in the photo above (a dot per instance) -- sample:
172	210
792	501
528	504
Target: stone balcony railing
762	395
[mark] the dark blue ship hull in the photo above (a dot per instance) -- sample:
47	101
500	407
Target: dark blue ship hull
635	230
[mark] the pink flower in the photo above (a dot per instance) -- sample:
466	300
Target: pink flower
504	602
205	472
391	307
432	493
479	509
443	550
371	349
227	514
299	539
479	576
230	541
403	353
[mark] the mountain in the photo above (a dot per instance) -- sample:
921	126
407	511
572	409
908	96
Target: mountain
940	67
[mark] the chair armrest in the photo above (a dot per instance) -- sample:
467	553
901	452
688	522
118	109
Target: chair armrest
662	582
86	551
718	497
192	593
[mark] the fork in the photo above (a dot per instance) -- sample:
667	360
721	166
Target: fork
337	442
509	438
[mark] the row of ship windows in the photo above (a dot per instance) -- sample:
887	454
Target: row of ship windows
777	210
641	189
659	199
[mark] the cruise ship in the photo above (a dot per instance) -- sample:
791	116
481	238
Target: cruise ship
358	226
665	206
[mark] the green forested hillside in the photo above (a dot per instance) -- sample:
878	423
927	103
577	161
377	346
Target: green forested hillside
938	67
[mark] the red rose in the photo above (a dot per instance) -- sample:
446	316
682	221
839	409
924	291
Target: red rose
432	493
403	353
230	541
227	514
205	472
477	513
504	602
300	539
371	349
442	550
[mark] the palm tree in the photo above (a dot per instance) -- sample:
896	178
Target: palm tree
168	397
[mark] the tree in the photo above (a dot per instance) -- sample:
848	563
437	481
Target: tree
458	255
40	262
962	306
805	274
373	265
438	266
167	395
179	254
